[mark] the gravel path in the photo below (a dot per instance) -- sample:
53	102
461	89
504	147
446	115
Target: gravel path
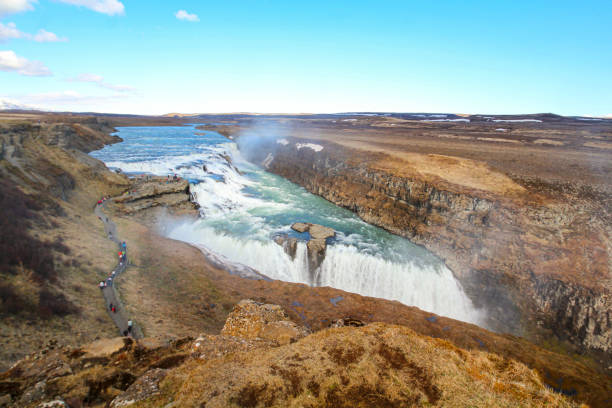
120	316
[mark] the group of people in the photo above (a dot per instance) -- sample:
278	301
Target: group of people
170	178
109	280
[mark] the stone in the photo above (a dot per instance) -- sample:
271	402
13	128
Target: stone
320	232
300	227
106	347
57	403
35	393
288	243
143	388
5	400
253	320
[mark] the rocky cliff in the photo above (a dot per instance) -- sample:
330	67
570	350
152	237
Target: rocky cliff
529	260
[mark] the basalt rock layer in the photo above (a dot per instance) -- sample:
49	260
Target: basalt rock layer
148	193
528	260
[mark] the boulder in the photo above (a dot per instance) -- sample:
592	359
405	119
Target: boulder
143	388
106	347
320	232
253	320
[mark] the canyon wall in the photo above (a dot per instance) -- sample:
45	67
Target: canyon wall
534	264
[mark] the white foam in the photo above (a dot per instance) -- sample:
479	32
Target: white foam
431	289
283	142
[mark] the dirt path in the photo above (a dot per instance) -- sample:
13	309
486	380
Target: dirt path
109	293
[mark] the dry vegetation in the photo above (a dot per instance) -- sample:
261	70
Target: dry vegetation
377	365
373	366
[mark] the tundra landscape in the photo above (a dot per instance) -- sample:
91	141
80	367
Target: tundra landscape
550	316
305	204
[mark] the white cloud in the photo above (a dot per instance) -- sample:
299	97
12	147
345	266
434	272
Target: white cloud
11	62
99	80
110	7
184	15
47	36
10	31
15	6
69	98
6	103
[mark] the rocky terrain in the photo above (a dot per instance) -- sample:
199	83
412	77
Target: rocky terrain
261	358
173	291
528	239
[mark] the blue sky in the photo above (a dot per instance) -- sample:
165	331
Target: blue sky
316	56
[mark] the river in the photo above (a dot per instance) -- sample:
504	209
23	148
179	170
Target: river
243	207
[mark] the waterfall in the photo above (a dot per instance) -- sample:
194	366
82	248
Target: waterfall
244	207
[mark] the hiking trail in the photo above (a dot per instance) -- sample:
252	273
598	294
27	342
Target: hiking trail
108	292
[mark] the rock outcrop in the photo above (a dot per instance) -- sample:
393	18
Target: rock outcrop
253	320
317	244
288	243
263	359
522	257
150	192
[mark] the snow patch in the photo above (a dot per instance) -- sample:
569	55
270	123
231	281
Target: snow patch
268	160
517	120
501	130
315	147
447	120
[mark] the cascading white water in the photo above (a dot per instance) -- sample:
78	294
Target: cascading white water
429	287
243	207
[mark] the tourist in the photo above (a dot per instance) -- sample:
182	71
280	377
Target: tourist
110	307
129	326
102	285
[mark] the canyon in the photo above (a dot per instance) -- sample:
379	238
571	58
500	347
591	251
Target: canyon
183	300
531	250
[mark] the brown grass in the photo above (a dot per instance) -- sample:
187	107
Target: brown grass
396	368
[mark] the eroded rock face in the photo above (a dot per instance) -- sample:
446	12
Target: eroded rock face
317	244
288	243
253	320
148	193
505	251
143	388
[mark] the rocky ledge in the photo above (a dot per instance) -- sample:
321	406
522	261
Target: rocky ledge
316	244
261	358
150	193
